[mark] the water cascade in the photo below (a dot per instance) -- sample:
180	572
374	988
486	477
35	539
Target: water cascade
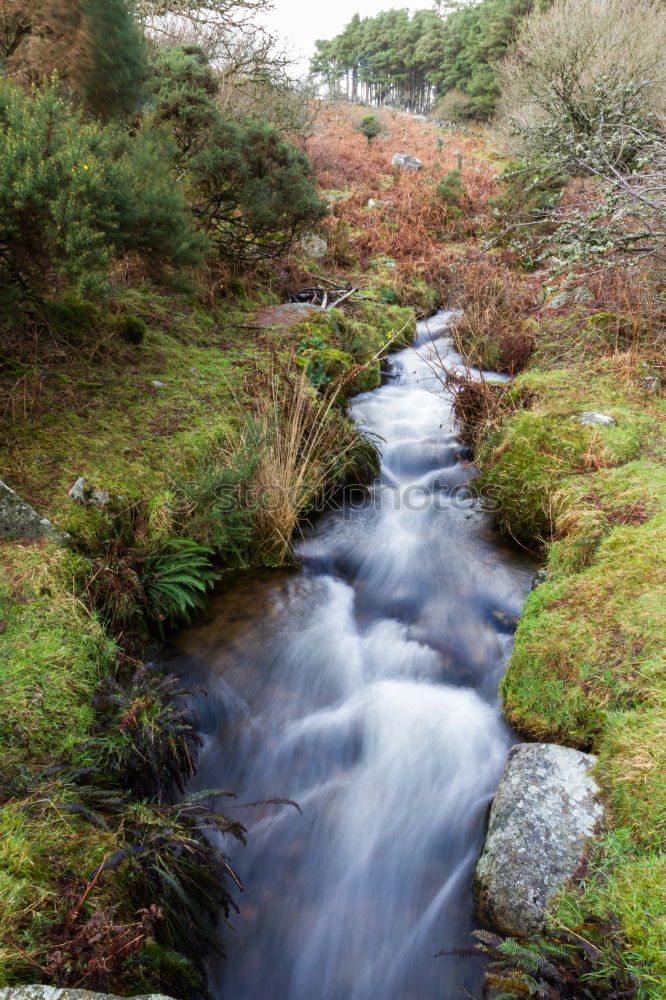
364	687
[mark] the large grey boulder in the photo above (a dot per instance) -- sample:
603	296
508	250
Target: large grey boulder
407	162
19	520
544	816
56	993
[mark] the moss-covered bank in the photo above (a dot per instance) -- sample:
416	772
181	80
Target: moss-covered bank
589	664
140	395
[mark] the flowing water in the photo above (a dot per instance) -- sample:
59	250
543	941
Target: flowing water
364	687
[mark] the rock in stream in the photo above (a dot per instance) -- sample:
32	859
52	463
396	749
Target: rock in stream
543	818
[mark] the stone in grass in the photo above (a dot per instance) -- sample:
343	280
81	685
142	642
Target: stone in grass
571	297
19	520
57	993
543	819
88	496
314	246
407	162
593	418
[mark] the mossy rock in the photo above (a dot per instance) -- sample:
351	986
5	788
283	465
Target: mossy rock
131	329
329	364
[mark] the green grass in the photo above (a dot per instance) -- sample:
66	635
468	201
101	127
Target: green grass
532	461
42	851
79	402
592	643
589	663
53	655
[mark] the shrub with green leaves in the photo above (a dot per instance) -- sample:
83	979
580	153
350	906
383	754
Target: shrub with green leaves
74	194
369	127
251	190
177	575
451	190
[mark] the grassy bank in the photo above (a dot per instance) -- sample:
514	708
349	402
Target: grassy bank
159	399
588	669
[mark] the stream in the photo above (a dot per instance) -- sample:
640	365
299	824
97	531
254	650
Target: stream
364	687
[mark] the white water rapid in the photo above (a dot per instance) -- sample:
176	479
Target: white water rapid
364	687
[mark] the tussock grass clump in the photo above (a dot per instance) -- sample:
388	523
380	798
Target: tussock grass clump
305	452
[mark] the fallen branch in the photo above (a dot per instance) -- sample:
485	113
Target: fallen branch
334	305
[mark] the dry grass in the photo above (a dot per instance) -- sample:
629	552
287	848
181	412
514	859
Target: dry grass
303	444
413	226
493	332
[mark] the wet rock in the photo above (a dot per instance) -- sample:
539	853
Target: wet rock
539	577
19	520
314	246
56	993
407	162
504	622
88	496
593	418
543	819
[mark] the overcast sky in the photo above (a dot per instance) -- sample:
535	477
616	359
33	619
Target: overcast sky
300	22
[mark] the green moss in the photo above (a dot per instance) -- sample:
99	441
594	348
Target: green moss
537	456
53	654
331	343
525	464
588	644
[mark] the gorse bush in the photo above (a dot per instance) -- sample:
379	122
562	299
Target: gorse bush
112	83
451	190
74	193
251	190
94	46
369	127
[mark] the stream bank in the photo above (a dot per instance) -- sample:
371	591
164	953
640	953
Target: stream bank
588	668
151	414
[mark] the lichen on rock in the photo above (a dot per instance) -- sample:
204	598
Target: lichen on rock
19	520
544	816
